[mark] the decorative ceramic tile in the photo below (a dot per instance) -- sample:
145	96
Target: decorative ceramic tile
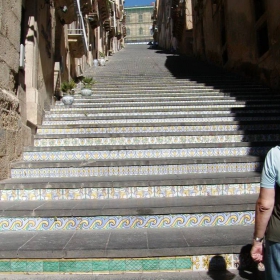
127	222
183	139
147	153
160	120
8	195
52	194
129	192
134	170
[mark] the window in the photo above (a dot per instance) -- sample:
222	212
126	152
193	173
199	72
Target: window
262	39
259	8
140	18
127	31
140	31
127	19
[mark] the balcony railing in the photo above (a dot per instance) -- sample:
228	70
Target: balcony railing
76	30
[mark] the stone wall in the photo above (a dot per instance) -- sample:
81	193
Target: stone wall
240	38
14	134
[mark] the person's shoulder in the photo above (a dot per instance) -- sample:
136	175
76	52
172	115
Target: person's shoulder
275	151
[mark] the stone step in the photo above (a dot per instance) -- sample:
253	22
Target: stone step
102	153
136	91
71	249
120	98
199	111
92	100
165	104
157	128
157	116
122	94
136	208
133	167
160	138
97	108
153	186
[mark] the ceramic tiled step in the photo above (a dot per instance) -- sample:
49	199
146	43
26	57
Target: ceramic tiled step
194	113
136	91
135	167
86	110
154	213
92	100
92	153
133	243
156	138
225	103
156	128
168	116
135	207
154	186
142	97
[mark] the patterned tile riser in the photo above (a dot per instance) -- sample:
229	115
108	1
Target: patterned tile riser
146	129
155	153
175	120
131	114
124	265
184	139
84	102
134	170
127	222
157	107
85	112
128	192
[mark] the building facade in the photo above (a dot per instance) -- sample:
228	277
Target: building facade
173	25
244	38
139	24
44	43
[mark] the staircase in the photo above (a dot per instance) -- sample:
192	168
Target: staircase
157	171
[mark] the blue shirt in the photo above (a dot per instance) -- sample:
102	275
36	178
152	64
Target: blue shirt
271	169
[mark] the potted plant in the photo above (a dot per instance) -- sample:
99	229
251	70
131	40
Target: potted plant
67	89
102	59
88	82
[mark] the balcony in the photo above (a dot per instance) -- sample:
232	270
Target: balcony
104	9
93	19
77	35
107	25
67	11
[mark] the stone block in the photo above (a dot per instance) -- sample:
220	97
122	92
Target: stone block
10	52
15	6
11	145
4	167
11	28
9	120
4	75
18	143
27	137
2	142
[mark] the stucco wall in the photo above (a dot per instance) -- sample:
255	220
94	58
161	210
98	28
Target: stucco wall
14	134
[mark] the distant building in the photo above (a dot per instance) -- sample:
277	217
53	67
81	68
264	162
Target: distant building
139	24
173	25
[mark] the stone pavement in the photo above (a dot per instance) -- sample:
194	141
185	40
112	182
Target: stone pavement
228	275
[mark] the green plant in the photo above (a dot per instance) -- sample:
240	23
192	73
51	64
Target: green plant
67	87
101	54
88	82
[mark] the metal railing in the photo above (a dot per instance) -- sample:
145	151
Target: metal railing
78	27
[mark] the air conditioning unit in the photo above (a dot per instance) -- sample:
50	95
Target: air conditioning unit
22	56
